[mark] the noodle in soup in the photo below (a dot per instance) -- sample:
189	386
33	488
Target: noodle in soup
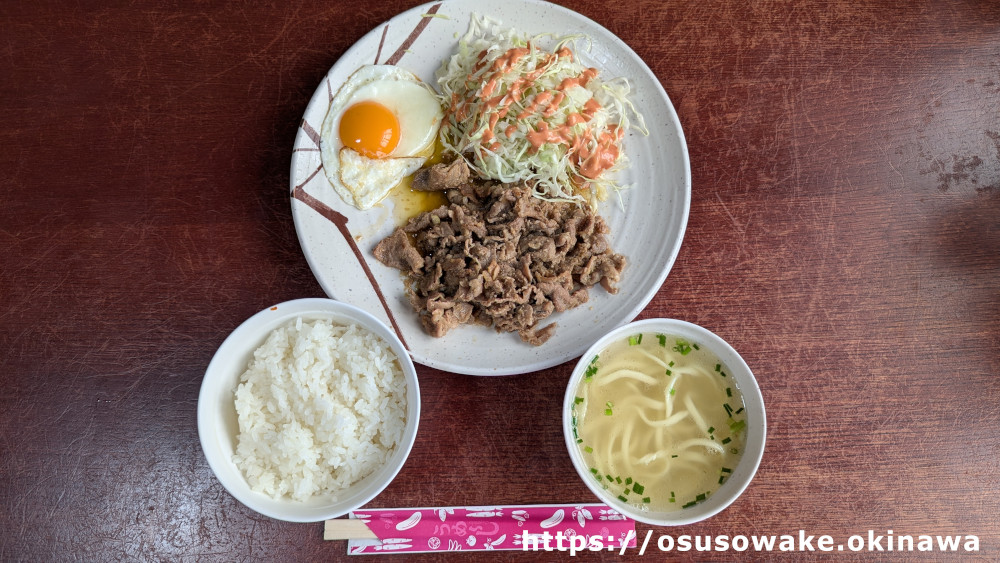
659	421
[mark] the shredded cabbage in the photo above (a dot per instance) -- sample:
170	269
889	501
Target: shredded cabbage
518	112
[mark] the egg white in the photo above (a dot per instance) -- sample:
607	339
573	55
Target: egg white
370	179
363	181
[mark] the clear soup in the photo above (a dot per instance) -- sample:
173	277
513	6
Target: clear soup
659	421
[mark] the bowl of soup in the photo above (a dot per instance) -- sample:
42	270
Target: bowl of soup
664	421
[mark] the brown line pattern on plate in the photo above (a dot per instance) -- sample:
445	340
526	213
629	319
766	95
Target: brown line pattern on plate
310	132
340	221
306	181
424	20
381	42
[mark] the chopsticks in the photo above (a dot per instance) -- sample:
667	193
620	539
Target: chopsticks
347	529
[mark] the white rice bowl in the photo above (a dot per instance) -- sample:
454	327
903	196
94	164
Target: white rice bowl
323	446
320	407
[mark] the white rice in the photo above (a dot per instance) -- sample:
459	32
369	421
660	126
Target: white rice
320	406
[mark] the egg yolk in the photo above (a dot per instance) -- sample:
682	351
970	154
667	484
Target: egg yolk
370	128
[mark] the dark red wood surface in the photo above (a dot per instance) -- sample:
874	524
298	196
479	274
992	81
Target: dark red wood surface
844	236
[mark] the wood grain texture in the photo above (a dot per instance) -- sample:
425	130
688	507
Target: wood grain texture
844	235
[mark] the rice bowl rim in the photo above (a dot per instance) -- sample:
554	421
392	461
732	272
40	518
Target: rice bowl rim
217	421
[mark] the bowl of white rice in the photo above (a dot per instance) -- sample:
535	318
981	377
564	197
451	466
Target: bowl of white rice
308	410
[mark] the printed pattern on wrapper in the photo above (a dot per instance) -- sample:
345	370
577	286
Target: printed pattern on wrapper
488	527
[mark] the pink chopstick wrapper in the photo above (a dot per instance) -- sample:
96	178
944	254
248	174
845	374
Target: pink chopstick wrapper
477	528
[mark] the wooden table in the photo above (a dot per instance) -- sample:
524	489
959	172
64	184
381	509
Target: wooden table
844	235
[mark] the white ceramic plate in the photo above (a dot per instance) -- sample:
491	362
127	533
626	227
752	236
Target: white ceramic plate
647	227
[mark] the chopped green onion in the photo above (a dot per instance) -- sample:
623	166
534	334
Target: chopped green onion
578	400
726	440
610	478
711	429
672	391
663	339
737	425
729	391
607	412
739	411
671	364
638	488
669	373
635	339
726	470
718	367
618	480
695	346
701	497
690	504
682	347
579	440
588	449
729	409
626	492
594	471
721	479
645	500
628	480
722	373
734	451
675	455
623	499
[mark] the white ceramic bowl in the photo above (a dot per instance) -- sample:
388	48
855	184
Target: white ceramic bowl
217	421
753	402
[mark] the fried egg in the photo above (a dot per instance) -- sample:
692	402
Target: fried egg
380	128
